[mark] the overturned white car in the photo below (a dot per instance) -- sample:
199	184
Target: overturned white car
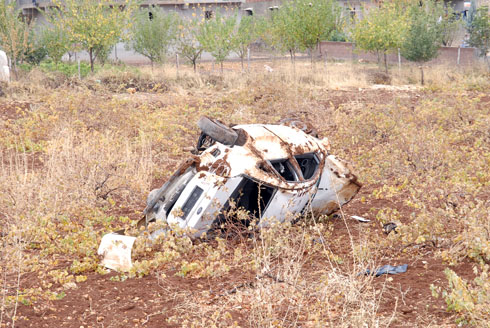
275	172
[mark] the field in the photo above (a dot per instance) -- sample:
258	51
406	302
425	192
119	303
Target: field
78	158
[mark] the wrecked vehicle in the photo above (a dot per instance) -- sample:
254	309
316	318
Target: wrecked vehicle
274	172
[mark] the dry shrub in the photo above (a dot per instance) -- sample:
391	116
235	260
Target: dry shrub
377	77
292	291
54	200
50	80
3	86
78	158
130	81
469	299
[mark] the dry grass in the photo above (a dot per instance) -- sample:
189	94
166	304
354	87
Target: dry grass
78	161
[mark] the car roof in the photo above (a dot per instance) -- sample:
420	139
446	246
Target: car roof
264	142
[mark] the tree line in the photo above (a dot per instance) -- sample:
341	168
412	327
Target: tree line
416	28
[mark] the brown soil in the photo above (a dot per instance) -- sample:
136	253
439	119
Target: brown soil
13	110
151	300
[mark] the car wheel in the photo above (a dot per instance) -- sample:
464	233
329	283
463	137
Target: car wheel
218	131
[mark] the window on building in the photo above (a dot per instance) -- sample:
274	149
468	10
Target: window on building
249	11
352	13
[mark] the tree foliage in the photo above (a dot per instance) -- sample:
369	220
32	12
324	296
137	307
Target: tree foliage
301	25
317	20
280	31
216	36
479	31
55	41
381	30
244	36
450	25
94	26
14	33
423	36
187	44
153	37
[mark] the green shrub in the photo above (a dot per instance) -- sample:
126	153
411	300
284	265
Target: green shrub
69	69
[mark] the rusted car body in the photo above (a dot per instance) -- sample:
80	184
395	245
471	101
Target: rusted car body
274	172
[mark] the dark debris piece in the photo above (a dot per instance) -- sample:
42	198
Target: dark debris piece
388	269
389	227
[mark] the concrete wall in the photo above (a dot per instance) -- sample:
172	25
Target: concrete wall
261	8
347	51
184	10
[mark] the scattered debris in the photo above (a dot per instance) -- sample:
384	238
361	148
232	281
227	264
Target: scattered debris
389	227
388	269
4	67
272	172
360	218
116	250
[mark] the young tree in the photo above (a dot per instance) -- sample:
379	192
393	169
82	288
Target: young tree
95	26
317	20
244	36
152	37
280	32
216	36
479	31
381	30
450	25
187	44
55	42
14	33
423	35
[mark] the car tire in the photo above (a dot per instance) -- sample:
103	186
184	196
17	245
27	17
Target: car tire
218	131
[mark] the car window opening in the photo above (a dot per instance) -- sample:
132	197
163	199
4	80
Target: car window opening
285	169
308	163
176	188
191	201
252	197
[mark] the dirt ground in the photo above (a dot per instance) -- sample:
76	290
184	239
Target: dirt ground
155	300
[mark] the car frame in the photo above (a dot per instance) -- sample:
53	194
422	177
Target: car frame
274	172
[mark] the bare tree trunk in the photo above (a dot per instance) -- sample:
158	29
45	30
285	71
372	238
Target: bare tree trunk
194	64
241	59
91	55
12	63
14	69
421	74
386	64
221	65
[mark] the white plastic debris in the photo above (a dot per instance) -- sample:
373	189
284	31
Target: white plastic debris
4	68
360	218
268	68
116	250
